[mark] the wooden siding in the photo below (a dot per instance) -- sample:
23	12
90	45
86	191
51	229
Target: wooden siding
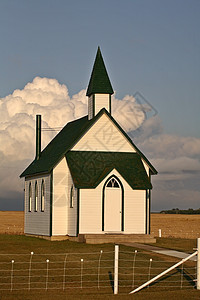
37	222
72	211
135	211
64	218
90	220
101	101
104	136
91	208
60	199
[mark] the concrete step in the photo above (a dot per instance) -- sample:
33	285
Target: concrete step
116	238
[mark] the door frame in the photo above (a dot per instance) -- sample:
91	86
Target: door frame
122	202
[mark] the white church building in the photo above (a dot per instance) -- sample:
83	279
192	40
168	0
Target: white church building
90	181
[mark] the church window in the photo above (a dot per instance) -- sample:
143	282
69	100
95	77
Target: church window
36	196
42	196
29	197
112	183
72	197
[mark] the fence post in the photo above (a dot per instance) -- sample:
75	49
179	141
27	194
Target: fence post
81	273
29	272
99	265
159	233
47	261
11	280
65	261
116	265
134	269
198	264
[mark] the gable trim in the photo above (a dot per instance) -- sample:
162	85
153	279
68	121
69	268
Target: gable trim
78	212
51	203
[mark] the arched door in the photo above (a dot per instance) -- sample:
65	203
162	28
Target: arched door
113	206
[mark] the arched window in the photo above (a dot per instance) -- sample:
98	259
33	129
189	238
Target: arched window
42	195
36	196
29	197
72	197
112	183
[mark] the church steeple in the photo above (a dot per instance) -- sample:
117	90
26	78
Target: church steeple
99	89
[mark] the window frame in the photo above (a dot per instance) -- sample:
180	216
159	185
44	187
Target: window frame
42	196
71	204
113	181
36	197
30	197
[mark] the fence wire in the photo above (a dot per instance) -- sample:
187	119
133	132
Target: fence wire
92	270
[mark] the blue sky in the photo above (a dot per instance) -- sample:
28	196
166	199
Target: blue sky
148	46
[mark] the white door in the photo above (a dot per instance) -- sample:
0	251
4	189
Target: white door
112	206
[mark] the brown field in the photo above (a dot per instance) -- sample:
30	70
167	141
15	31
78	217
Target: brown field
179	226
12	222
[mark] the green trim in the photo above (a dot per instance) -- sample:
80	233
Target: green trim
78	211
150	206
29	197
149	211
110	104
51	202
42	197
103	207
122	203
36	197
146	219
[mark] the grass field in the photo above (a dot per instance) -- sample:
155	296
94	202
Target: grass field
12	245
13	242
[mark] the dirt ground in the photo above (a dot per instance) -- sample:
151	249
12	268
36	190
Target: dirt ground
180	226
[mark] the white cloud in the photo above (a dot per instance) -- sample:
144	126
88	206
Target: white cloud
50	99
128	113
176	158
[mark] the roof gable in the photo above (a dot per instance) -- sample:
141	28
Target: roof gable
89	168
99	81
66	139
104	135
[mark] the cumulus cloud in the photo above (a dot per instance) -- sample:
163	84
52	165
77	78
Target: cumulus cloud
176	158
51	99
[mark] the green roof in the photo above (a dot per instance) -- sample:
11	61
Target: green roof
57	148
99	81
64	142
89	168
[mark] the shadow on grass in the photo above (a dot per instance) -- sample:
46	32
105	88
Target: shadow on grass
111	280
188	277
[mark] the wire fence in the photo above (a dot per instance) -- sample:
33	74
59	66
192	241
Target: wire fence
144	269
93	270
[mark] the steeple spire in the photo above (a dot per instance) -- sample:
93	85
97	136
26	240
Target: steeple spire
99	89
99	80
